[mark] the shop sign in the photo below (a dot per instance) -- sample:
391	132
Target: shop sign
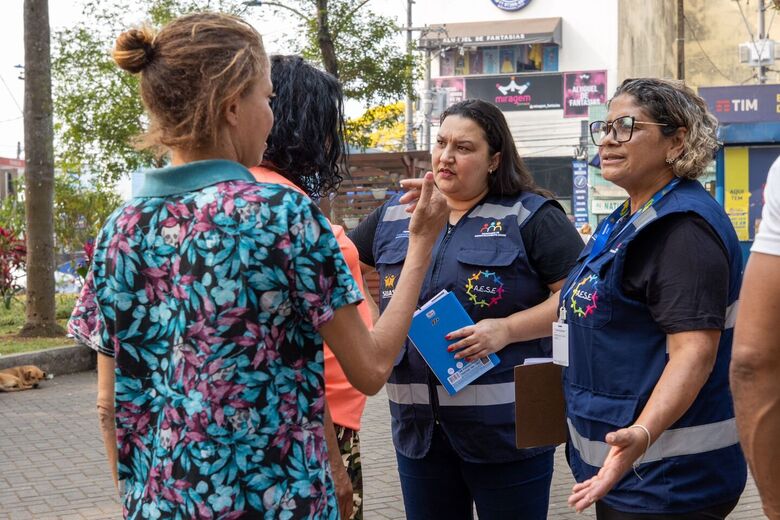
743	104
579	202
446	92
583	89
520	92
605	206
511	5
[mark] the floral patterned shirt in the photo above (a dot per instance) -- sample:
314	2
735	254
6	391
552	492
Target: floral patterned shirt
209	289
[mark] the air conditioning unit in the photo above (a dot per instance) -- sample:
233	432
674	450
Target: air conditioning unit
758	54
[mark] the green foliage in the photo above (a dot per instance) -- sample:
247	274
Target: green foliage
80	209
97	106
379	127
372	66
13	254
12	319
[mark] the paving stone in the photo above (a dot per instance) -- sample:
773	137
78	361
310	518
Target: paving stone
53	465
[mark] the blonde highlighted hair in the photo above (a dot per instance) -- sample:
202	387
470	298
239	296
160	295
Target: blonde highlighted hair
190	71
677	106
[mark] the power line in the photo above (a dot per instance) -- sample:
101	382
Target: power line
11	94
752	38
12	119
717	69
747	25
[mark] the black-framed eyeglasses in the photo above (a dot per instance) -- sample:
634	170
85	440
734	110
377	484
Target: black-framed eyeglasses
622	129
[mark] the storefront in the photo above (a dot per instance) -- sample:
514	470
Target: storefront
749	129
524	62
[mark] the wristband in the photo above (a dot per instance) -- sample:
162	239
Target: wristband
637	462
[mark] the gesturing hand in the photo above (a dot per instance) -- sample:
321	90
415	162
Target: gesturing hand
430	210
628	444
479	340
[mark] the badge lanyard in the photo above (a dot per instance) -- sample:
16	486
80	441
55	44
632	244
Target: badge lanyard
602	238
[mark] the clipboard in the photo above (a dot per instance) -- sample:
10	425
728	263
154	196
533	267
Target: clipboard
540	410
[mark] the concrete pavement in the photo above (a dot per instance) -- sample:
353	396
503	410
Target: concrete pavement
52	465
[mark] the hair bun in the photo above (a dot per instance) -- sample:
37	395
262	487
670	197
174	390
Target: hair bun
134	49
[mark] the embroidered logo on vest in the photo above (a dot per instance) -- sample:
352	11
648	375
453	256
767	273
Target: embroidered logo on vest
493	228
484	288
388	286
584	297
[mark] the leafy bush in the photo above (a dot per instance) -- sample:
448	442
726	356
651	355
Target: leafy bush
12	260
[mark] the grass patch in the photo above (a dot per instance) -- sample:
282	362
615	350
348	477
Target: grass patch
12	320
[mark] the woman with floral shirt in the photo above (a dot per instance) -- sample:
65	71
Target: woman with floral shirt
210	293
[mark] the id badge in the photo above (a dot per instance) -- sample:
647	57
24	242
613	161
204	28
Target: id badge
560	341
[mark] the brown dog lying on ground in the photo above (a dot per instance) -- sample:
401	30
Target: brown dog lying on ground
20	378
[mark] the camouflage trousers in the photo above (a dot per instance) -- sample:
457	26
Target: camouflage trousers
349	445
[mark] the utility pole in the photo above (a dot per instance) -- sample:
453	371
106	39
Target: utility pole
428	102
409	134
680	40
761	37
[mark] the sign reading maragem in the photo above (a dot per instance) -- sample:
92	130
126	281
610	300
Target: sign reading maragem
745	104
512	93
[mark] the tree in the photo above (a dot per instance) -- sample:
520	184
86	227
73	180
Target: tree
98	110
354	44
97	105
39	172
379	127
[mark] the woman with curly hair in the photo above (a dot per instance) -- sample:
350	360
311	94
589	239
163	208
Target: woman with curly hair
649	312
305	150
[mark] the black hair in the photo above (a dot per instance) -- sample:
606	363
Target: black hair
306	143
511	177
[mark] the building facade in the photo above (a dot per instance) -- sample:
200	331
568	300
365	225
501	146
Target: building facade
551	65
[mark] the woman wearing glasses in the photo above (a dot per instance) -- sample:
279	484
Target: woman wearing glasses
648	312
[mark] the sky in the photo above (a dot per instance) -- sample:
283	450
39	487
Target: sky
64	13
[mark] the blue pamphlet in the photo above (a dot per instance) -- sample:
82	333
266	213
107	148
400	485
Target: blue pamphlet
438	317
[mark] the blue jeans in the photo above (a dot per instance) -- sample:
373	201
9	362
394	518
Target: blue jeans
443	486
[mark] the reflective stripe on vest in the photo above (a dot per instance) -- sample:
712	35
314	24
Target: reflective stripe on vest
478	395
394	213
415	393
672	443
497	211
473	395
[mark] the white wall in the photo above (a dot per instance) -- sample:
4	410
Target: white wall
589	42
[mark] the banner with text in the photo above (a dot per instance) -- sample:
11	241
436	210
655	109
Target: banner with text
583	89
512	93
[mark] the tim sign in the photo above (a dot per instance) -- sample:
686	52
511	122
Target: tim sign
748	104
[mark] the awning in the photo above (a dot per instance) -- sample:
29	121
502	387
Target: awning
483	34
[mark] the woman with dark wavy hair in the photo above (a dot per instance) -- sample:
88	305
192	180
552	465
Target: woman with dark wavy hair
506	248
306	144
305	151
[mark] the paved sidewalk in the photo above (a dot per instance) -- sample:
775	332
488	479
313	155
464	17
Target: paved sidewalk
52	464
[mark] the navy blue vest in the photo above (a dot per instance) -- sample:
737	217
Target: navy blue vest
617	354
483	261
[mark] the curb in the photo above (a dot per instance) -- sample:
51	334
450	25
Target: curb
57	361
